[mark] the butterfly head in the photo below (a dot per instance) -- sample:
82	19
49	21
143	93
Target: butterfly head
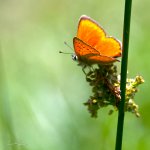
74	57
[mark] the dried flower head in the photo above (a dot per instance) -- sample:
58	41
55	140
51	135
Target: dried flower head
105	83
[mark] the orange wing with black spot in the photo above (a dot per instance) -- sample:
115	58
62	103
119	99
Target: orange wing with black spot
92	45
88	54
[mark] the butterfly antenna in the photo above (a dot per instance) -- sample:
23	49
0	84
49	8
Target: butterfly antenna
64	52
68	45
69	48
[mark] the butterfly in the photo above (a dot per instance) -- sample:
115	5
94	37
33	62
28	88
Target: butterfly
92	45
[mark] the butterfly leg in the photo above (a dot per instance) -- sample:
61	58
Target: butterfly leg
87	69
83	69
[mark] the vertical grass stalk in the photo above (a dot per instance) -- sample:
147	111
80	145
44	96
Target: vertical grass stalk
124	63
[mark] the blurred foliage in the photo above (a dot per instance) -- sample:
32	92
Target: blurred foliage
42	91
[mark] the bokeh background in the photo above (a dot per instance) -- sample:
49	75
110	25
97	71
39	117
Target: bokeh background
42	92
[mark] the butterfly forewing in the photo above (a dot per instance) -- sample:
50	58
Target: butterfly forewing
88	54
89	31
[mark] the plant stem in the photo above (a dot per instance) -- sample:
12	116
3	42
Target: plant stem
124	63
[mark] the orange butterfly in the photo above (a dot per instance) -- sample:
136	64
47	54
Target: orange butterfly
92	45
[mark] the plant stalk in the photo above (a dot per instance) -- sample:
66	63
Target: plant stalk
124	63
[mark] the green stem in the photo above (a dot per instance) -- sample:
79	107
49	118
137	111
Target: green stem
124	63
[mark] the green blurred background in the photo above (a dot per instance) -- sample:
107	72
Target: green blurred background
42	92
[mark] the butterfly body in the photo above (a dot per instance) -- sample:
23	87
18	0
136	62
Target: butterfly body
92	46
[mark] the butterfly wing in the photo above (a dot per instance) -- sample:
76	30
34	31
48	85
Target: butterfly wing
88	54
93	34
